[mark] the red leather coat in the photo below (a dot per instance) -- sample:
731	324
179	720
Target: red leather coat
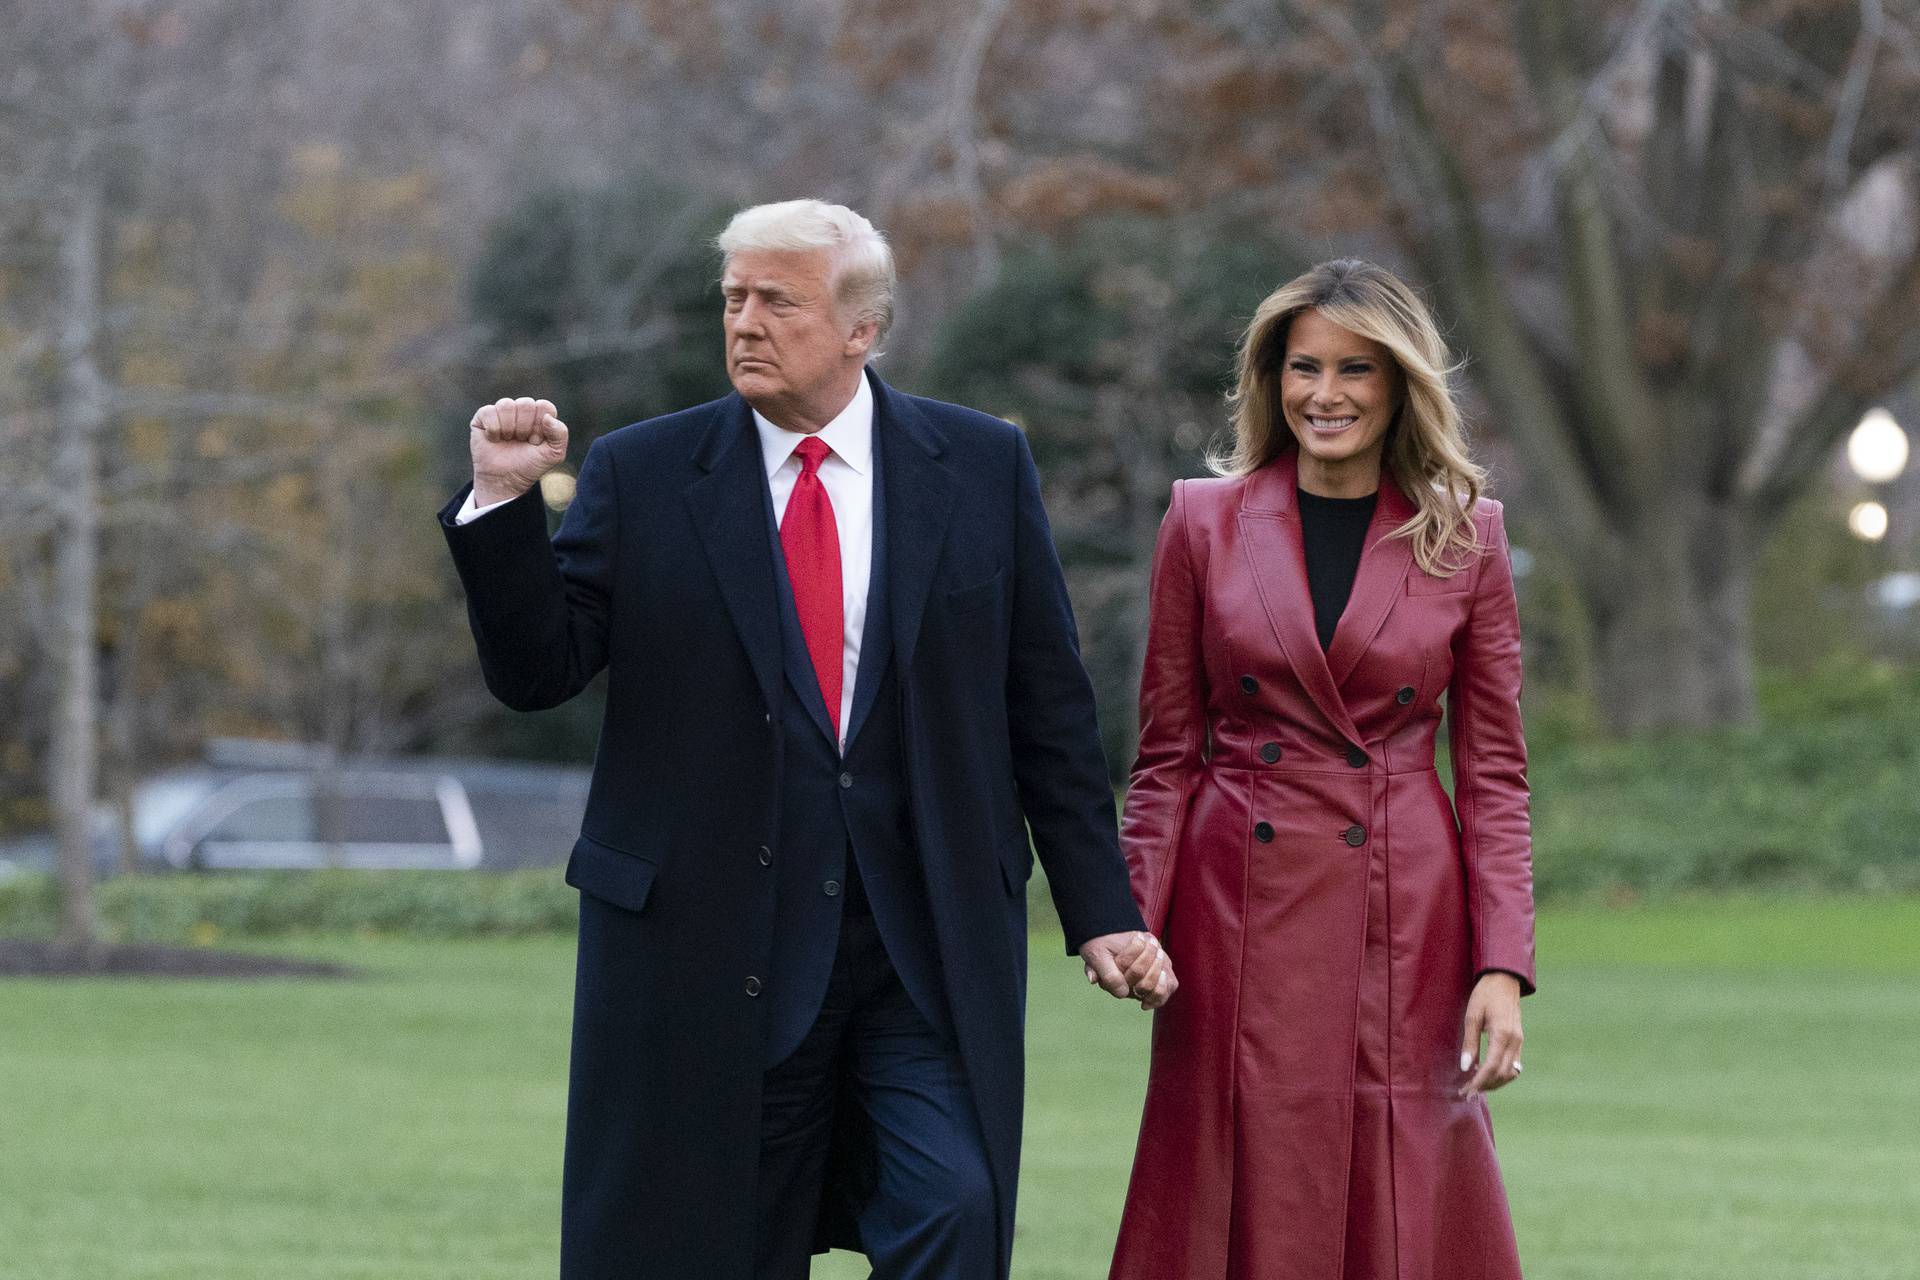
1325	904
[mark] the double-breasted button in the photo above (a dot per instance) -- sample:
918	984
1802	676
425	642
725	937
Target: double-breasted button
1405	695
831	888
1263	832
753	985
1270	751
1356	757
766	856
846	780
1249	685
1356	835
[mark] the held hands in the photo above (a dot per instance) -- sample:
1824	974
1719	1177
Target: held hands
514	443
1130	965
1493	1010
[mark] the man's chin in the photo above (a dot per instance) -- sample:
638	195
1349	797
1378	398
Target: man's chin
754	381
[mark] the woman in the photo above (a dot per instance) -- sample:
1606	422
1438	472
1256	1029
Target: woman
1345	935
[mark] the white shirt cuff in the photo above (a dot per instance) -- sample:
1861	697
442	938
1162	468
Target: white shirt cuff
469	512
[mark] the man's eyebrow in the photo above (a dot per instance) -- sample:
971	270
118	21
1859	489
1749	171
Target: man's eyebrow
764	290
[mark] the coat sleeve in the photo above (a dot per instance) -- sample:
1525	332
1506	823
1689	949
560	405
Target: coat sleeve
1490	768
539	609
1173	727
1059	768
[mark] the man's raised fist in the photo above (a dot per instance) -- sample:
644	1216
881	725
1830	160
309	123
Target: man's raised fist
514	443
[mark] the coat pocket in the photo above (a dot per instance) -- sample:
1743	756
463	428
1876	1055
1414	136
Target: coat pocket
612	875
977	596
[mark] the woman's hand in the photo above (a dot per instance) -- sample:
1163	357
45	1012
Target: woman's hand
1493	1010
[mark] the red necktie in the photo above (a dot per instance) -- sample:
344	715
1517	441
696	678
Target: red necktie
811	541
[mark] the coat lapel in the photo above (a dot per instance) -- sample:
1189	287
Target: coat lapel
1377	585
1270	531
729	511
920	495
876	637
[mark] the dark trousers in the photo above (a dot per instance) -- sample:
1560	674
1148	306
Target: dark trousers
929	1214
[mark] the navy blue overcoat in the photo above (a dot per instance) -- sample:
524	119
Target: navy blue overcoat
662	573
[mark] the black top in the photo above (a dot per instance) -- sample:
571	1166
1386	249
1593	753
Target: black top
1334	532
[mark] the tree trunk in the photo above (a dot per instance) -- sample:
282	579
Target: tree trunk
81	414
1674	633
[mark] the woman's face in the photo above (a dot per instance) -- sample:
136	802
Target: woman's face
1338	392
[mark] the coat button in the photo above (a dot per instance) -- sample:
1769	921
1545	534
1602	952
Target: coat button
1263	832
846	780
1356	835
1405	695
1249	685
1356	757
831	888
753	985
766	856
1270	751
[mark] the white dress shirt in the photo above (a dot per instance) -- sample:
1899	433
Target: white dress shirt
847	474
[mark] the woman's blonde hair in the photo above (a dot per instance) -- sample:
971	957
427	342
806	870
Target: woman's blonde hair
1425	446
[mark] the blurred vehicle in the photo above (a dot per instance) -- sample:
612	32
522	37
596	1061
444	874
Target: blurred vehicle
281	806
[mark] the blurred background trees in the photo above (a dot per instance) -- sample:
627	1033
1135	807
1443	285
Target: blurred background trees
259	261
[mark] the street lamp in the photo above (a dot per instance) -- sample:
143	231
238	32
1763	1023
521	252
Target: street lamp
1877	452
1877	449
1868	520
556	490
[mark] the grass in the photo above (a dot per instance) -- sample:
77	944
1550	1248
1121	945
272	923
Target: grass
1715	1089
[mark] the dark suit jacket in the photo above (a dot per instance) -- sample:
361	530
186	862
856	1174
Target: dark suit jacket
662	573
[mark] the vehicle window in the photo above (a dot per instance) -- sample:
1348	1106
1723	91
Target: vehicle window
270	818
383	819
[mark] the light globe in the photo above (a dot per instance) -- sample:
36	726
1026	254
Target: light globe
1877	449
556	490
1868	521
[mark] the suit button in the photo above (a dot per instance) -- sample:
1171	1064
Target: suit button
1249	685
753	985
766	856
831	888
1356	757
1270	752
1356	835
846	780
1263	832
1404	696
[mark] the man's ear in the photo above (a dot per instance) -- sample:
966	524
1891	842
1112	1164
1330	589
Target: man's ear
860	341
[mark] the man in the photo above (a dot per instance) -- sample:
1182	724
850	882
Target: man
842	667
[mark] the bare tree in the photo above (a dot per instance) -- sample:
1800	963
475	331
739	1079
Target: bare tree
1676	238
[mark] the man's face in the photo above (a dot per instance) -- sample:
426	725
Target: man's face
786	343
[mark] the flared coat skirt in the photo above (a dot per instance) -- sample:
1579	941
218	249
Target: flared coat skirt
1302	1119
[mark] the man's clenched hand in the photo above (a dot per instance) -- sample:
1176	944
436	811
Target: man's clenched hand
514	443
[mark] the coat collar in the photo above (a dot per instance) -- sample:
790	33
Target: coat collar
729	513
1270	524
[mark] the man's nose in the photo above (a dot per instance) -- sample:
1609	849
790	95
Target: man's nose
747	319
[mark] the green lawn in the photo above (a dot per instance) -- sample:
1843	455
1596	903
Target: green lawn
1712	1090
